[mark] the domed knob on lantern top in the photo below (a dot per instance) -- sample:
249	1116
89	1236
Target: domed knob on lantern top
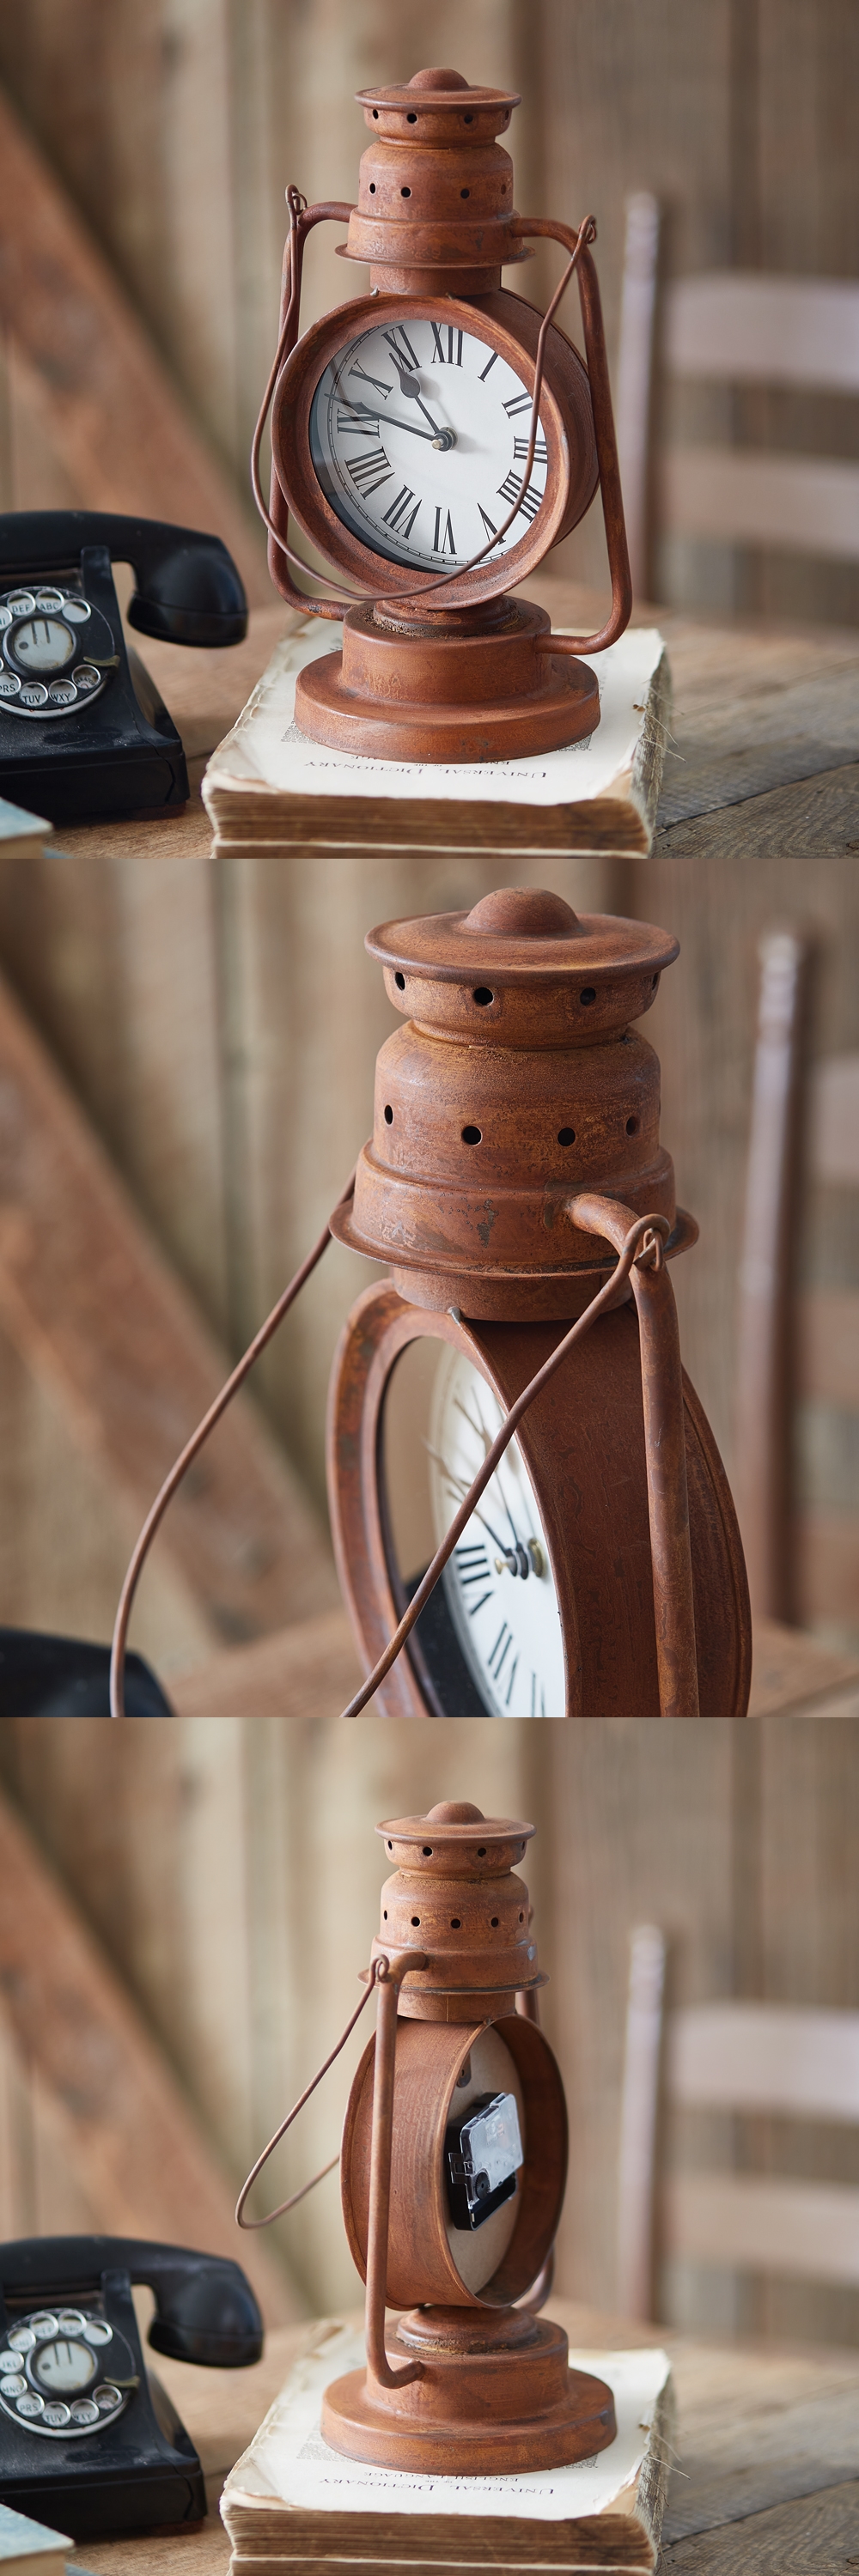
454	1895
516	1082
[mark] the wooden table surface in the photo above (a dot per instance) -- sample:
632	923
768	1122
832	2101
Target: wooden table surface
763	715
767	2475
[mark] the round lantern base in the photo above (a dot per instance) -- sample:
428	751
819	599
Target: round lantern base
483	690
496	2395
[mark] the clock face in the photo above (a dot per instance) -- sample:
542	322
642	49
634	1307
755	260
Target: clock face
419	437
498	1583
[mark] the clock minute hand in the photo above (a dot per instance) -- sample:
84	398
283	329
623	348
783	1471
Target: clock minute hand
388	420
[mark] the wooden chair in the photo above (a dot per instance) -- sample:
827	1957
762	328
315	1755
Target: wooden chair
792	2061
803	1129
736	328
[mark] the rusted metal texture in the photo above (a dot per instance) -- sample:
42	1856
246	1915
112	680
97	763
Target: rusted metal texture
429	669
467	2382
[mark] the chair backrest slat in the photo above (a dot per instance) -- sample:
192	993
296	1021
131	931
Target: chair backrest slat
834	1120
739	327
765	2057
763	2225
762	497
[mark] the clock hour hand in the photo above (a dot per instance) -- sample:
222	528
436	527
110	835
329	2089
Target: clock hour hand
410	385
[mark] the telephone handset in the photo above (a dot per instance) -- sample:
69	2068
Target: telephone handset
89	2440
83	730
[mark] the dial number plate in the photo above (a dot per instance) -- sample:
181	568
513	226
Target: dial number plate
419	438
45	670
498	1582
64	2373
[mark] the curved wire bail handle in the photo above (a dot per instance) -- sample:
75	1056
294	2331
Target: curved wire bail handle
295	2196
665	1450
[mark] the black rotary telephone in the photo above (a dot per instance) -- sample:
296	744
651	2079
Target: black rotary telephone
89	2440
83	730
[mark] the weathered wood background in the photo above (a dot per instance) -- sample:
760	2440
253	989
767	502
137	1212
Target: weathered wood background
232	1873
219	1028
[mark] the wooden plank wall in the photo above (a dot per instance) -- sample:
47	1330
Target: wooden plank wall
233	1873
737	116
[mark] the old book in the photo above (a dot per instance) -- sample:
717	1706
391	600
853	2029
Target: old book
292	2503
268	788
29	2548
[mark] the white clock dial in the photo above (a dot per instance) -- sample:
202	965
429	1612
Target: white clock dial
419	438
498	1582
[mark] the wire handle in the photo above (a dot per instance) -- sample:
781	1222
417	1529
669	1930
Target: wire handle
256	2169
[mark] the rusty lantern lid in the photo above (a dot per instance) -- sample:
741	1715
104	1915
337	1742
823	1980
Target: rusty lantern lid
516	1083
435	187
454	1895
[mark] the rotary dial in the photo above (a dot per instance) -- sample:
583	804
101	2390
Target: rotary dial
419	439
498	1582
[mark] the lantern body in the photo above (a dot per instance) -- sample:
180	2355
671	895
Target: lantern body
488	2384
516	1127
403	445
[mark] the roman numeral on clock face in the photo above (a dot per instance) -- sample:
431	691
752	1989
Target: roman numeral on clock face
454	346
399	341
395	515
472	1566
443	545
369	470
520	450
530	501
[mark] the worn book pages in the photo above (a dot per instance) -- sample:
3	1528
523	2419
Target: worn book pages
269	788
291	2500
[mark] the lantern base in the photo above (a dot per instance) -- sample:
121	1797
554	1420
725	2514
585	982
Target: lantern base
482	690
496	2395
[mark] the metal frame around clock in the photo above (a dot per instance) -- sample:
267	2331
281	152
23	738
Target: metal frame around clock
581	1444
566	418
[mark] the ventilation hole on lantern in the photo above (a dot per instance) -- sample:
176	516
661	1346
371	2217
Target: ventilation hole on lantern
588	995
493	1923
389	1115
566	1135
375	111
390	1846
400	982
372	187
456	1923
471	1135
416	1921
521	1918
427	1850
411	118
385	1914
465	192
468	120
632	1126
481	1851
654	982
405	192
482	996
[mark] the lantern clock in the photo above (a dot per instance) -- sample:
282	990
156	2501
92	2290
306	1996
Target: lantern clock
433	439
452	2172
530	1514
515	1142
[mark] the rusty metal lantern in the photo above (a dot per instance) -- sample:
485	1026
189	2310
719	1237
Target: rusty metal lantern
452	2170
433	439
515	1143
529	1511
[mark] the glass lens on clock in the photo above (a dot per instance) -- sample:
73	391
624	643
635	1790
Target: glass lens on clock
489	1642
419	438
